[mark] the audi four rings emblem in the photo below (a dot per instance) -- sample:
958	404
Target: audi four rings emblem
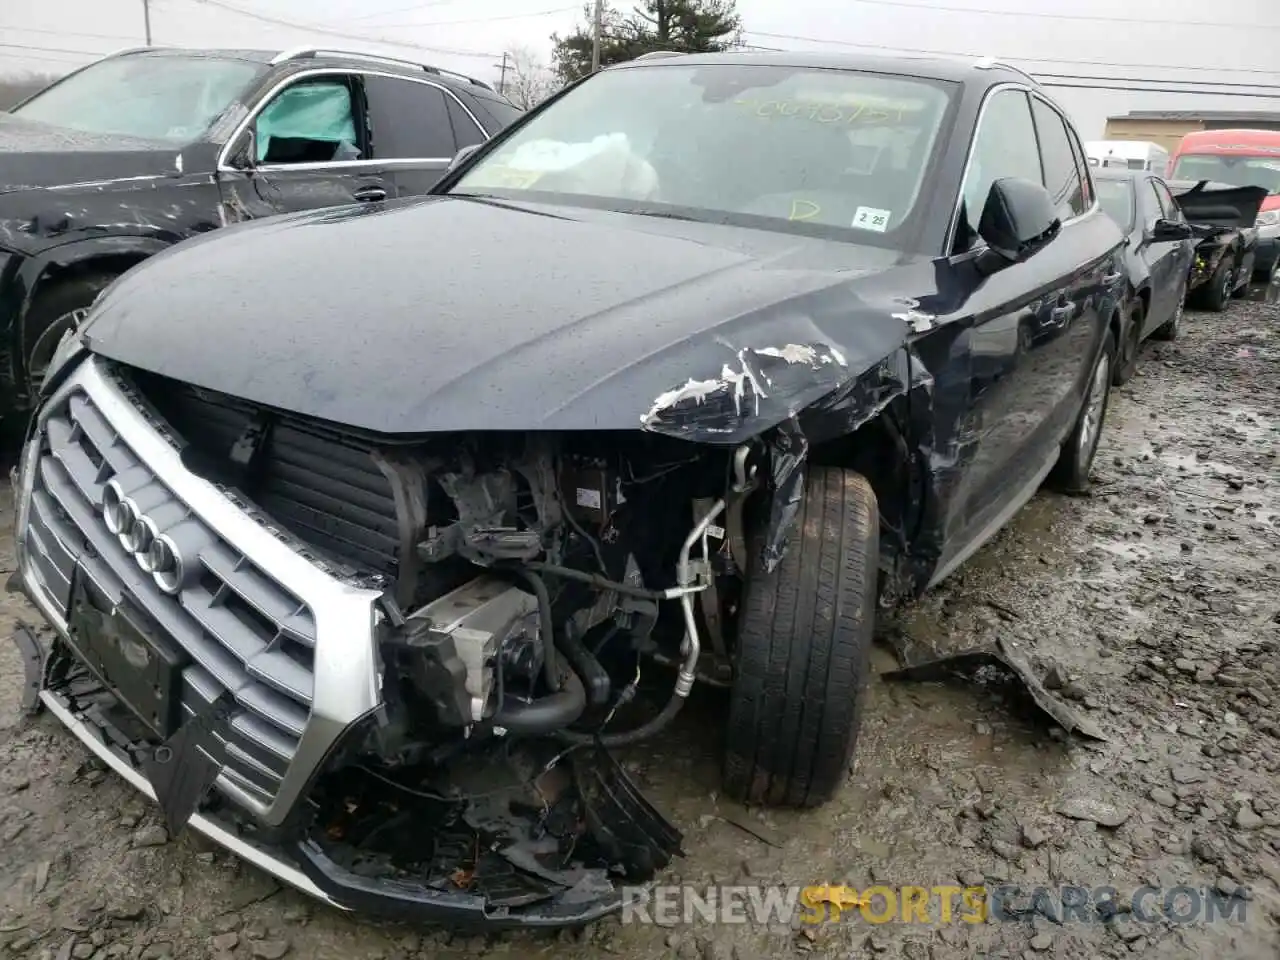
155	553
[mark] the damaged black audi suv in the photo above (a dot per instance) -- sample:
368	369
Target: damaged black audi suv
367	535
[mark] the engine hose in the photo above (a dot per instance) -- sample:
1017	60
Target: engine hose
546	714
550	662
628	737
587	666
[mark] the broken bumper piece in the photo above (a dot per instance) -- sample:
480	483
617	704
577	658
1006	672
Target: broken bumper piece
473	876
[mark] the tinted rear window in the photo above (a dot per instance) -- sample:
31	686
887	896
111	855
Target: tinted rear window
499	111
1116	198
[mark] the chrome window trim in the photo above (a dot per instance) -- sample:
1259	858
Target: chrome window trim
347	671
224	167
1071	131
950	239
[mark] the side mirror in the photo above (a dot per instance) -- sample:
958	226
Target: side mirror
460	157
1166	231
245	155
1018	220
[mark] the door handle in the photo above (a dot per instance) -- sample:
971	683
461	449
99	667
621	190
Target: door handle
1111	278
370	194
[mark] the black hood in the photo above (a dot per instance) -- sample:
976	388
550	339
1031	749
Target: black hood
40	155
460	314
1218	204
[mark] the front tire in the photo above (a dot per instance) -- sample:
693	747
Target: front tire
1170	329
1071	473
1127	363
53	312
803	650
1219	289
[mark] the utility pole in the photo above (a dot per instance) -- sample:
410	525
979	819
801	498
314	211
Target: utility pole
146	19
502	81
598	20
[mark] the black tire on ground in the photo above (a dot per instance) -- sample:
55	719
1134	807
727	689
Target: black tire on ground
1170	329
52	313
1217	292
1127	363
803	650
1071	472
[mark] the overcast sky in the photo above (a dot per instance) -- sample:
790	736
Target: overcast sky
1204	44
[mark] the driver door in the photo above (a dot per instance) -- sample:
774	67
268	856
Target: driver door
1162	256
305	147
1019	321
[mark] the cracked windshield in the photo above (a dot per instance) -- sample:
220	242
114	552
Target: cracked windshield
154	97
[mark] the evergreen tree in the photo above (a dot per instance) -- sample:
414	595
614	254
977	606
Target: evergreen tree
687	26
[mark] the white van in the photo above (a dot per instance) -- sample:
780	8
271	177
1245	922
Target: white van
1132	154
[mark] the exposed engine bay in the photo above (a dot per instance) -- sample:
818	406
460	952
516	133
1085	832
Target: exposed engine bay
534	586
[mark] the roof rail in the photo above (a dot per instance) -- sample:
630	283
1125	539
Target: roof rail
125	51
659	55
988	63
305	53
441	72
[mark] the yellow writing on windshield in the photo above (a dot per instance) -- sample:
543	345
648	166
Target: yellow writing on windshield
850	113
804	210
510	177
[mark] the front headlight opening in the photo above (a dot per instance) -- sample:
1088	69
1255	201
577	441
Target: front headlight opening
67	350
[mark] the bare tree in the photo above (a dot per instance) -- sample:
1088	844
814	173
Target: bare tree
15	89
529	81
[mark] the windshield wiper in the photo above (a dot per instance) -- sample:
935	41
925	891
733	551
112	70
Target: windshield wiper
666	215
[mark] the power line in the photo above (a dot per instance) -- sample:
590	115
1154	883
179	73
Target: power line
73	33
344	34
1183	91
1211	83
1146	21
451	23
955	53
410	9
65	61
23	46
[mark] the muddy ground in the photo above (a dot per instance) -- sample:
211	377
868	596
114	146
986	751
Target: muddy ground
1157	599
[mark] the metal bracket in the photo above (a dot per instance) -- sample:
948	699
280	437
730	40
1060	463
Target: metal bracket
33	668
182	769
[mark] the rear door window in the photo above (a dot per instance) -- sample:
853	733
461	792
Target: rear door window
1168	206
408	120
1082	165
1149	202
1061	175
465	130
500	111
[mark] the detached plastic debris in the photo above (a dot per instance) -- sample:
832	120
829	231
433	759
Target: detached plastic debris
627	827
926	665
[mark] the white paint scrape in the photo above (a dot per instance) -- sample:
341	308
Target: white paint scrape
695	390
800	353
735	381
918	320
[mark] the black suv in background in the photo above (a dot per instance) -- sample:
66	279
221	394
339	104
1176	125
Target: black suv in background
145	148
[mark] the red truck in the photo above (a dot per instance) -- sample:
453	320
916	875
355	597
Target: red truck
1242	158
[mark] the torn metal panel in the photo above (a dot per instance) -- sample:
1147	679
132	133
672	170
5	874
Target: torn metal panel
924	664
